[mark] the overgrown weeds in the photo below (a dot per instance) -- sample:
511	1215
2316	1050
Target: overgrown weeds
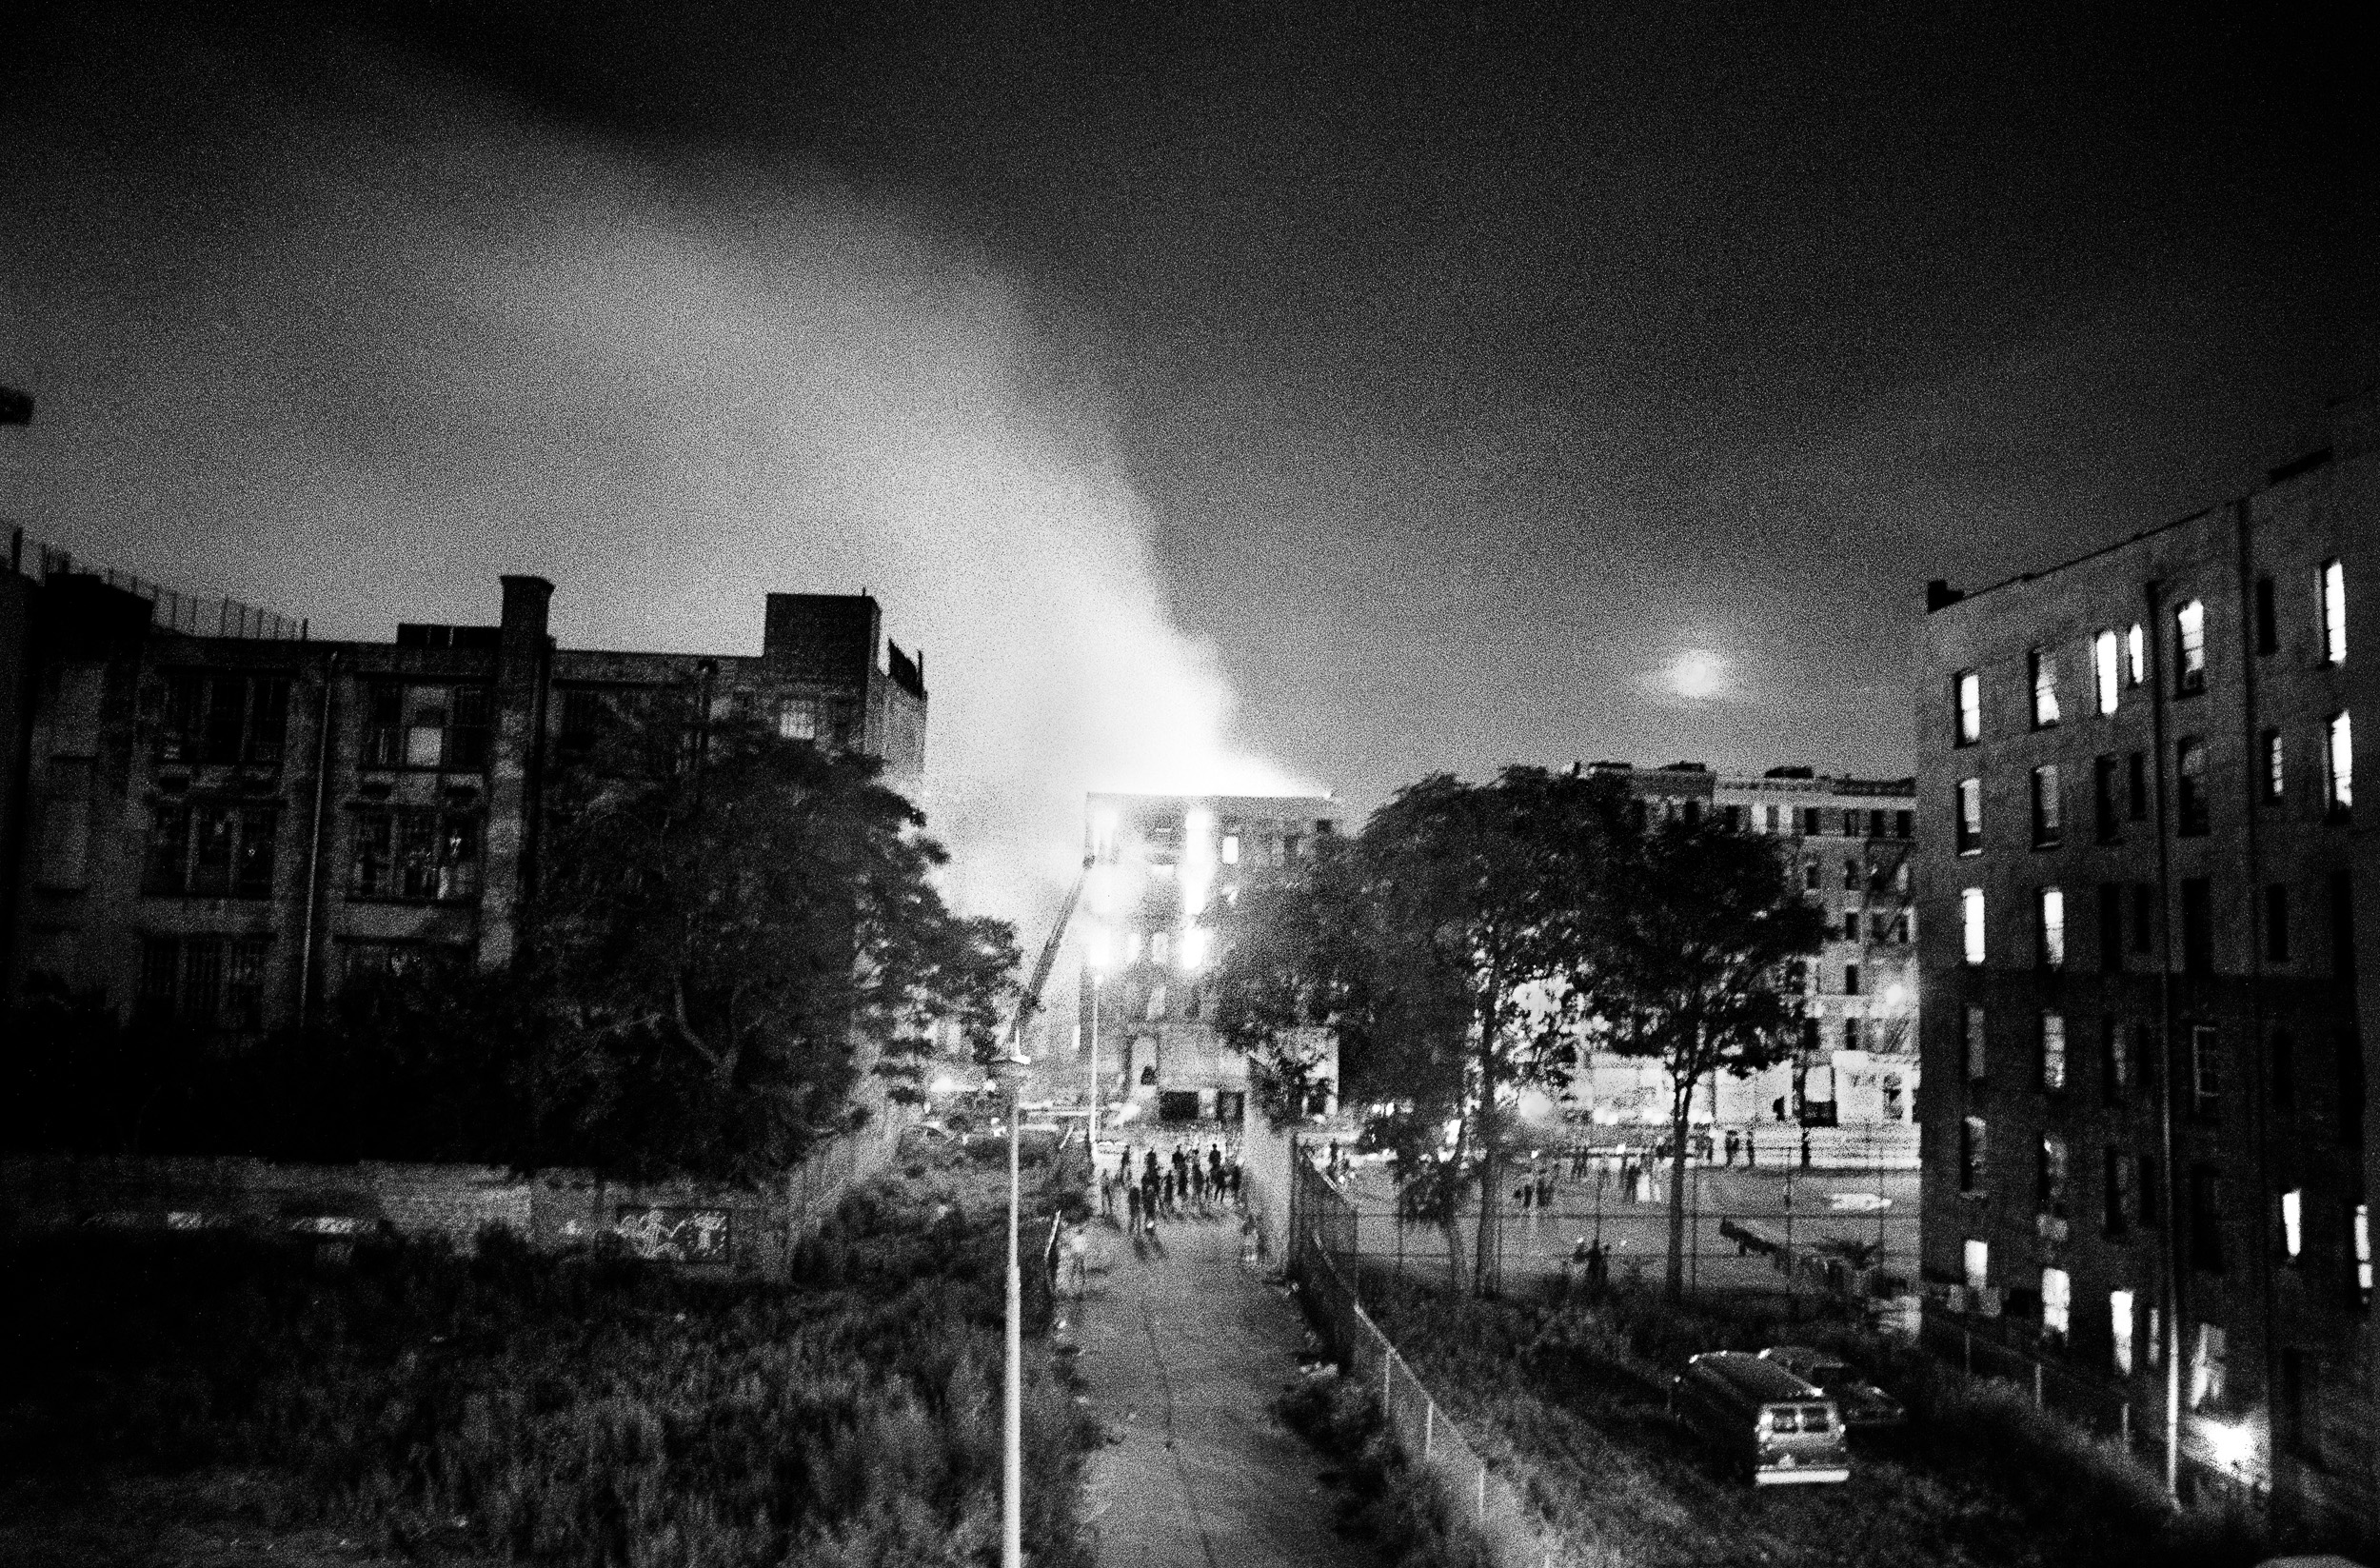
1383	1501
577	1409
1576	1397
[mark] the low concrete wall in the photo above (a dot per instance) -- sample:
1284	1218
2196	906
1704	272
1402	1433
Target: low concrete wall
682	1222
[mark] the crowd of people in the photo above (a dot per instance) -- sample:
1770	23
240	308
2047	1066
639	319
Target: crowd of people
1183	1186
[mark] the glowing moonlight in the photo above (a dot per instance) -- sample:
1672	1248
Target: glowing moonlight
1697	674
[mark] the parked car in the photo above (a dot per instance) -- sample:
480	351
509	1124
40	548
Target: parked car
1865	1407
1768	1423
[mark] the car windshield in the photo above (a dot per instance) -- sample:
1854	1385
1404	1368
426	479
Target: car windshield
1825	1372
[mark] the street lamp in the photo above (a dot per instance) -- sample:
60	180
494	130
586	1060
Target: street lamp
1012	1475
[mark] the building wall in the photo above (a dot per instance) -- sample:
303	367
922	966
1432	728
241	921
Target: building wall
2207	1056
1160	863
378	802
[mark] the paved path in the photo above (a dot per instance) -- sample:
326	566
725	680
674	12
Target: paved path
1182	1355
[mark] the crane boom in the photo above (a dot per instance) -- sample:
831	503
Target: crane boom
1030	1002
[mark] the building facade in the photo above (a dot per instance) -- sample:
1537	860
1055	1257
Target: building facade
226	828
2145	967
1160	864
1848	845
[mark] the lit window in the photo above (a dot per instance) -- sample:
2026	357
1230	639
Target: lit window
1231	849
1970	1154
2207	1368
2044	688
2054	1051
2048	825
2189	648
2338	762
2057	1303
2053	929
2362	1223
1970	707
2136	656
2190	789
2276	772
1970	924
2331	584
1977	1259
2292	1224
2120	1325
2105	672
2205	1069
1160	947
2050	1192
1973	1039
1970	816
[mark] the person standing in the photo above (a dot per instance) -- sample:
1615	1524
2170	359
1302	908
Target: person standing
1132	1206
1107	1197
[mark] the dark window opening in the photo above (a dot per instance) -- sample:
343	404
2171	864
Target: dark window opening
2277	923
2197	925
2206	1220
2110	927
2192	807
2105	818
224	719
2268	629
2136	785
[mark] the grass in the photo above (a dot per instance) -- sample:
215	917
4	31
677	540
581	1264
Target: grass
575	1409
1382	1503
1574	1399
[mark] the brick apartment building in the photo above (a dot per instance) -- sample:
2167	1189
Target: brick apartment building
1160	863
2144	968
1848	842
227	826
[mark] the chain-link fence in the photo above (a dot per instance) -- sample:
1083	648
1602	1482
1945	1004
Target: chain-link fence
195	615
1517	1534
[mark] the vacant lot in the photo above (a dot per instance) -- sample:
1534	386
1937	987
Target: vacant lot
220	1398
1579	1398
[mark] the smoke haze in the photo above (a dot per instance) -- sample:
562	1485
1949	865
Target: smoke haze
350	341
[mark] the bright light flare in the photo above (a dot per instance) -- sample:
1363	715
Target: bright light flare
2231	1445
1198	943
1698	675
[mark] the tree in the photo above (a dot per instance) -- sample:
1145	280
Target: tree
1442	946
731	928
1688	967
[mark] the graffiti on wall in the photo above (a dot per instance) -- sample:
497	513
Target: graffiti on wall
675	1235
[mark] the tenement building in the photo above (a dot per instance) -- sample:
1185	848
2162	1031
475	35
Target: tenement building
1161	865
1847	843
225	827
2146	1143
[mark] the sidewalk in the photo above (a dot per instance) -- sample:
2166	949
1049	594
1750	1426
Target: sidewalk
1181	1356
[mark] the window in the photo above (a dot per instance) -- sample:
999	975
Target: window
211	981
2115	1067
2136	656
2206	1070
1812	822
2136	786
1851	824
2054	1051
1968	697
2104	673
1850	1034
2048	828
2148	1194
2189	767
2115	1193
1975	1263
2052	928
368	961
2293	1224
414	852
2144	918
216	719
802	718
1970	816
1231	849
2049	1182
2106	820
1970	1154
2277	923
1810	875
2276	772
2284	1069
2300	1423
1160	947
1970	924
2057	1305
1851	925
1972	1043
2189	649
215	849
2206	1368
1851	875
2268	629
2338	766
2110	927
2042	667
429	726
2155	1350
2120	1330
2331	595
2359	1227
2206	1219
2197	925
1850	971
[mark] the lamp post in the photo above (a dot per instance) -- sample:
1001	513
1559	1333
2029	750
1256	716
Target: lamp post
1091	1136
1012	1473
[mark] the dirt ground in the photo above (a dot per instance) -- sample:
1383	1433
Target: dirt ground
220	1519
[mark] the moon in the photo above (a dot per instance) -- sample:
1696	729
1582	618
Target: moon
1698	675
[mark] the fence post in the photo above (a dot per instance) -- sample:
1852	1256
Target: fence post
2036	1386
1388	1373
2124	1424
1967	1349
1482	1491
1429	1429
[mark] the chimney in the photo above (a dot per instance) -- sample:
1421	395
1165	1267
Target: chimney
1940	595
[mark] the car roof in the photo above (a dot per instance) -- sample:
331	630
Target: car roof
1752	1377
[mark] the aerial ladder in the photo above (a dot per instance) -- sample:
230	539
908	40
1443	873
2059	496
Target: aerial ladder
1030	1002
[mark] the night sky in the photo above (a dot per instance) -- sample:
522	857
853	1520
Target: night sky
1247	396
